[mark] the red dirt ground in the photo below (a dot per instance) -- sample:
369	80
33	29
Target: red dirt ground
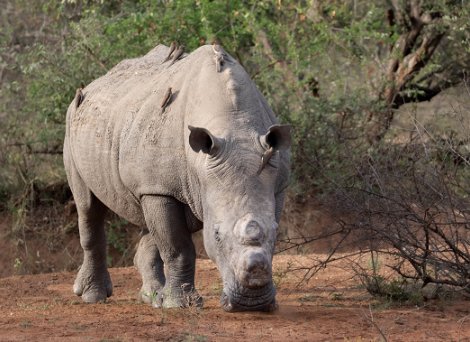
332	307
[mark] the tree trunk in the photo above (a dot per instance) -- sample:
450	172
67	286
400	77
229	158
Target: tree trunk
413	49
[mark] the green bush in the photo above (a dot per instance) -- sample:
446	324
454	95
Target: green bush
322	66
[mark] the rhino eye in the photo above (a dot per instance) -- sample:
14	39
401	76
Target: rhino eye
217	234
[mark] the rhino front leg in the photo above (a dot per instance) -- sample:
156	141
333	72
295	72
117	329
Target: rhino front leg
150	265
166	221
93	282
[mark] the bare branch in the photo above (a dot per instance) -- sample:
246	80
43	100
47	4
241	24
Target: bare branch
421	33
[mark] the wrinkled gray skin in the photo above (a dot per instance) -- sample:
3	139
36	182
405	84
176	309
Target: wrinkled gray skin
170	170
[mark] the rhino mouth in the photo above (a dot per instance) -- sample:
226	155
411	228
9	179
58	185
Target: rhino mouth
244	299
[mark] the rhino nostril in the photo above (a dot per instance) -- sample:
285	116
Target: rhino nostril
255	270
256	263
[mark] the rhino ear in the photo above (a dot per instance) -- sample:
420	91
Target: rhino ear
278	137
200	139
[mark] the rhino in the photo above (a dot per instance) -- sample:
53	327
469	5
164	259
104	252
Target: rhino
206	154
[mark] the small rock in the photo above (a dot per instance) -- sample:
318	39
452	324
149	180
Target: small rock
430	291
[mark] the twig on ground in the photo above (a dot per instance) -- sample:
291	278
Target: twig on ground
374	324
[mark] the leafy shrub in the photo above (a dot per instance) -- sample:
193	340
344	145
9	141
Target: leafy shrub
321	65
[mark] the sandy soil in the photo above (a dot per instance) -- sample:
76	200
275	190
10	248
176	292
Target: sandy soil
332	307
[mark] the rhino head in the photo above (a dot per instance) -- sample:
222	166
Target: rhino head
240	208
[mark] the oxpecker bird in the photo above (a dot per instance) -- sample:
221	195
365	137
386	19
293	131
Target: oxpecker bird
166	99
265	158
178	53
170	52
78	97
219	56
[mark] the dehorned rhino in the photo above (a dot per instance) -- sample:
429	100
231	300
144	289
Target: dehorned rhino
207	153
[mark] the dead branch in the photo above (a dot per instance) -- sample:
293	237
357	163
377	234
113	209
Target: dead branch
408	203
419	37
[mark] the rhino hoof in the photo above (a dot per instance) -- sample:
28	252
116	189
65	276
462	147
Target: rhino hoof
93	291
169	298
94	296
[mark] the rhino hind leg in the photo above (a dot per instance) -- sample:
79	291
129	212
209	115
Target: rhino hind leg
93	282
166	221
150	265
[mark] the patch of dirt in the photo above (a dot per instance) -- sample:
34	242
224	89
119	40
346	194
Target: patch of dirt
331	307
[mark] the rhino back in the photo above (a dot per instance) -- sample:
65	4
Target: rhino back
119	135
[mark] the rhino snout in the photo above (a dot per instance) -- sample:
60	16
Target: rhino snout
254	269
237	299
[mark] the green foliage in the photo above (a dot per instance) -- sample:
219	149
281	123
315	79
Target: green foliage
320	64
396	290
290	48
118	237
